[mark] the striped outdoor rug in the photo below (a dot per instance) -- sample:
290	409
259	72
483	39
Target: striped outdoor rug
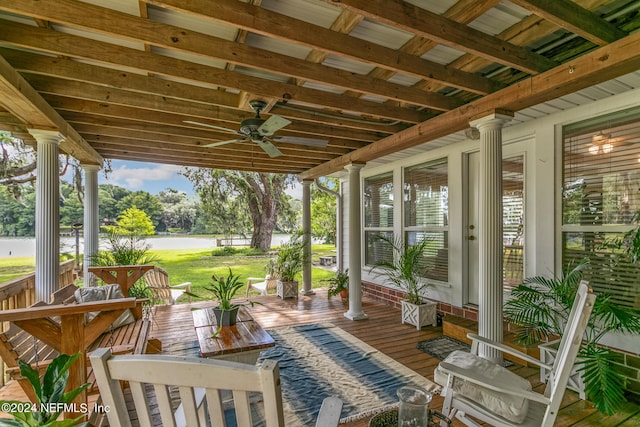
321	360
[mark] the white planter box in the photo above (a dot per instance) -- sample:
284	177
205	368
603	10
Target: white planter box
548	353
287	289
419	315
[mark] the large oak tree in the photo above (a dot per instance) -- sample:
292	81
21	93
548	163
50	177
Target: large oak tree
239	199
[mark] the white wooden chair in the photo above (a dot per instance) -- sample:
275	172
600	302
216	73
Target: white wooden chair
158	281
487	391
262	284
197	380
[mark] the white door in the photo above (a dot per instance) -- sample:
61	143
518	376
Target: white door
513	222
471	228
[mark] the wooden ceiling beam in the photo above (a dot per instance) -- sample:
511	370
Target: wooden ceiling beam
131	145
351	138
53	42
94	18
574	18
23	102
606	63
525	32
246	165
271	24
463	11
74	70
151	139
417	20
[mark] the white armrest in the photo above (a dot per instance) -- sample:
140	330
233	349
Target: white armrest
509	350
330	411
182	285
481	380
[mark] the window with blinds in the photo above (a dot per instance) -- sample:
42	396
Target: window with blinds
513	220
426	214
378	217
600	201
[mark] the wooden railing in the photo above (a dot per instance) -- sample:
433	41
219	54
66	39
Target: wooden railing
20	292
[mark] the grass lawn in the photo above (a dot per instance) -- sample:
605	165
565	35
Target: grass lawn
13	267
191	265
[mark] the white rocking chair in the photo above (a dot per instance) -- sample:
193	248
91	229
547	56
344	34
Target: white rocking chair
197	381
487	391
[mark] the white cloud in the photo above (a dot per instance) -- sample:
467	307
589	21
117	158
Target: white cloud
135	178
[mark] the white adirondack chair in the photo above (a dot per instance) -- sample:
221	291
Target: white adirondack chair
476	387
158	281
197	381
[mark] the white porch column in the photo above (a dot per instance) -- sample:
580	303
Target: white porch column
47	213
306	235
355	229
91	225
490	231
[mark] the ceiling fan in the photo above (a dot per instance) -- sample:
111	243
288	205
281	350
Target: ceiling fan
261	132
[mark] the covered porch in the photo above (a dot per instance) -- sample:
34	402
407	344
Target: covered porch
361	92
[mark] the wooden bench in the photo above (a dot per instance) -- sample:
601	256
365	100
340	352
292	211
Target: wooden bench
39	333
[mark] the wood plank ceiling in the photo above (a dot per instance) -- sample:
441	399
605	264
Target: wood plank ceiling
126	79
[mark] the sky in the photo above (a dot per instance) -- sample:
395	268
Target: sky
150	177
154	178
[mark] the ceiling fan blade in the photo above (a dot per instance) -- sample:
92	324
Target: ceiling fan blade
269	148
215	144
312	142
273	124
210	126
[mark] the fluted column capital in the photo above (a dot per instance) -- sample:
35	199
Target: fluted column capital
491	121
352	167
90	167
49	136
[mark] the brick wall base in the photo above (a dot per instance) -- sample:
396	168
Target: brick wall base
393	297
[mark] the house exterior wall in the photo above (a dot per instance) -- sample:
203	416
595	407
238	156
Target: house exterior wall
539	141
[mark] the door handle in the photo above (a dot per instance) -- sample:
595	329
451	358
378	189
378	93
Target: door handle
472	237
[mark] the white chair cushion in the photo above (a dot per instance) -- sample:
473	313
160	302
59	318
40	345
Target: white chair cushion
512	408
102	293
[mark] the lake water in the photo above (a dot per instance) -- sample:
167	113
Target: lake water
19	247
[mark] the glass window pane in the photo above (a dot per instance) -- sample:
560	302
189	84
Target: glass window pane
601	182
608	271
436	261
377	250
513	220
601	176
426	195
378	201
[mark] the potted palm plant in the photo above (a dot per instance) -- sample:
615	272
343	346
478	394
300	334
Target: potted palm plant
406	270
224	290
540	308
287	265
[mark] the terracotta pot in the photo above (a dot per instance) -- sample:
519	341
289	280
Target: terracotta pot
344	294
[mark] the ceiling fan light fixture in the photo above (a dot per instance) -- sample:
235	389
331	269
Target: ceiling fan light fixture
260	131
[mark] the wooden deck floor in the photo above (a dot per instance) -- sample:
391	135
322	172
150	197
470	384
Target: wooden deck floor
174	327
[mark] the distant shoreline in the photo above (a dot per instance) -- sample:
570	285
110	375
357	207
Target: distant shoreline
26	246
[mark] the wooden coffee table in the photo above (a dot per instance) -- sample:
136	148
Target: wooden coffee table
242	342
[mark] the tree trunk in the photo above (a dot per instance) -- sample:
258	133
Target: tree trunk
263	206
